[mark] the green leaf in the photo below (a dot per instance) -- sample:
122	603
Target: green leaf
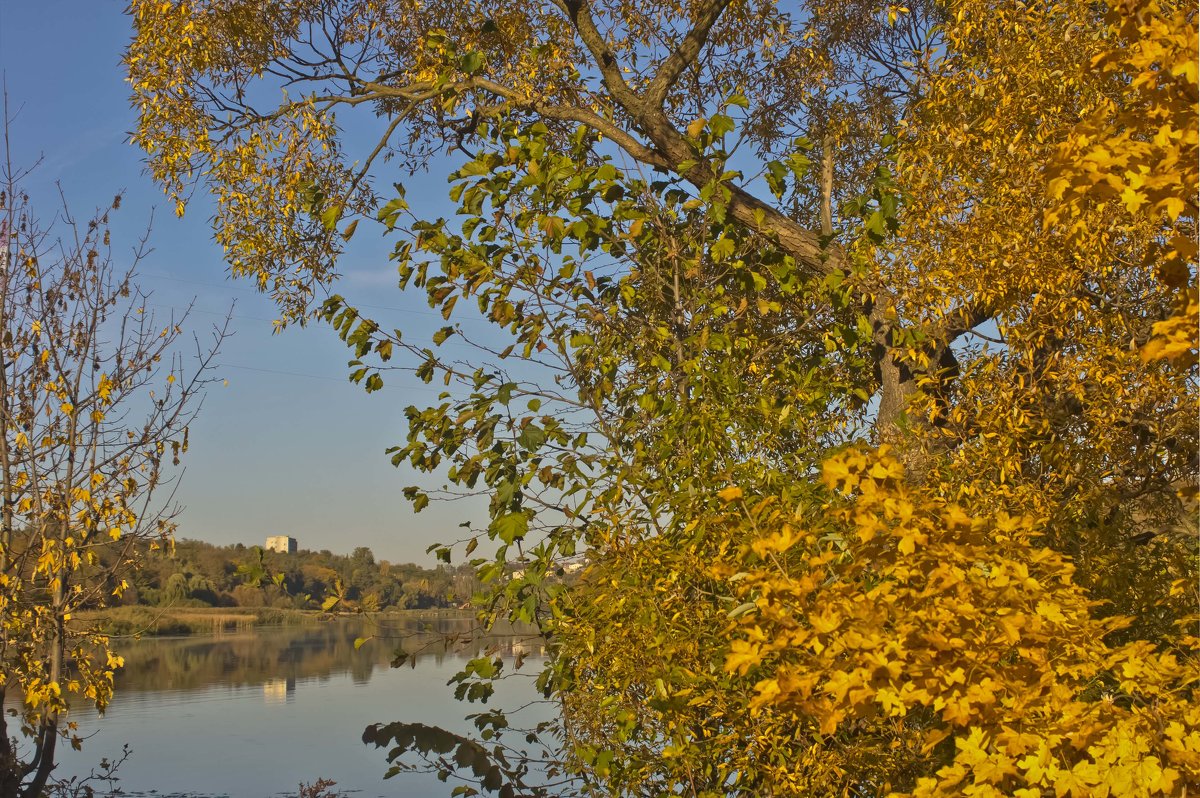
777	178
720	124
532	437
471	63
511	527
799	164
720	250
330	216
390	212
876	227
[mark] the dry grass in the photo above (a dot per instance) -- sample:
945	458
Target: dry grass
168	621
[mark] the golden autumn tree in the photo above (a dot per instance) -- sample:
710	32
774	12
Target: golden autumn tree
719	243
1078	678
956	647
916	632
96	396
1083	255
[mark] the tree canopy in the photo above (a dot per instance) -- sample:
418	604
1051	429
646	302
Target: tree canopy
726	248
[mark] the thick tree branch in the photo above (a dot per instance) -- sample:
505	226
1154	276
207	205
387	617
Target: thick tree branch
667	148
966	318
578	11
566	113
799	241
689	48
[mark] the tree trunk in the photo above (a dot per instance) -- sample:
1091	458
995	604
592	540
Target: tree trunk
896	382
48	733
10	769
827	185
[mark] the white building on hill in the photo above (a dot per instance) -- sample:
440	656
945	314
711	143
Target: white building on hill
282	544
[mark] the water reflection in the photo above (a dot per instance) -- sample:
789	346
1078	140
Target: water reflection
252	714
279	691
280	657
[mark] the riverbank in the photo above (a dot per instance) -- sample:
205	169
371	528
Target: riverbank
138	621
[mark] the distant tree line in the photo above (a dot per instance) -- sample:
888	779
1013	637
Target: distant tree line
193	573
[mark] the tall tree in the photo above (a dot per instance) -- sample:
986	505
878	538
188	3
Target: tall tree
703	305
96	396
649	79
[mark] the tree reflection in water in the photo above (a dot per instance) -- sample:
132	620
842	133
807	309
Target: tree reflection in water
277	658
251	714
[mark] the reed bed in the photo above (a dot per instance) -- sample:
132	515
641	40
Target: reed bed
168	621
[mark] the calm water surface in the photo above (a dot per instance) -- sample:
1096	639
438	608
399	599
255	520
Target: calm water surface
253	714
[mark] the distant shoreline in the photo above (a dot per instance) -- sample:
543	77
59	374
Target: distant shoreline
143	621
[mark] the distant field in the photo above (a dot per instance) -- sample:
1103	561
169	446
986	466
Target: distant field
170	621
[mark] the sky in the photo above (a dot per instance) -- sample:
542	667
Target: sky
289	445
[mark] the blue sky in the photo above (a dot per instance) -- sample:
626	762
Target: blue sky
289	446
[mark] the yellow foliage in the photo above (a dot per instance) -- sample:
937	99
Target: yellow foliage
1175	338
1144	151
959	636
1012	166
1141	149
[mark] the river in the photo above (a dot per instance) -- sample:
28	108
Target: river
253	714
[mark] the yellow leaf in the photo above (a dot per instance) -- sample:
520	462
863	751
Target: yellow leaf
742	656
730	494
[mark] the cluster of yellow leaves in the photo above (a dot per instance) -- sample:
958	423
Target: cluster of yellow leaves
1143	152
1000	118
1055	408
1175	338
969	158
1140	150
955	634
275	174
281	185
